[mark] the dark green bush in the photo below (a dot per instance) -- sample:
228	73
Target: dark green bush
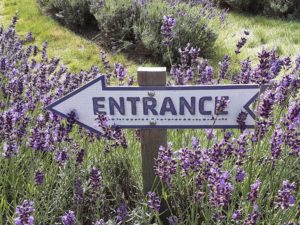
287	8
281	8
240	4
74	13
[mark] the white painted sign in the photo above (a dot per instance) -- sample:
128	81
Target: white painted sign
158	106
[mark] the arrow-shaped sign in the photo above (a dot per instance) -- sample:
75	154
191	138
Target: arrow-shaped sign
158	106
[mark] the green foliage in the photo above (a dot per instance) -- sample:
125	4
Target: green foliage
289	8
73	13
123	21
115	20
240	4
281	8
148	29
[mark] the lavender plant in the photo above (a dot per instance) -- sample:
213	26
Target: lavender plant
207	177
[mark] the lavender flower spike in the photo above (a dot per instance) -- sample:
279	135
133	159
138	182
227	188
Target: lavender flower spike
69	218
285	196
154	201
24	213
120	71
99	222
221	105
122	213
224	66
38	178
253	194
167	30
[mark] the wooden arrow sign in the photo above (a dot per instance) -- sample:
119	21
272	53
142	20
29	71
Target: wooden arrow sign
158	106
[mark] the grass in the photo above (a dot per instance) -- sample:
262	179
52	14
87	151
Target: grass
75	51
78	53
271	33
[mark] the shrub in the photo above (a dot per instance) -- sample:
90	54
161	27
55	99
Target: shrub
192	26
239	4
123	22
73	13
285	8
115	19
282	8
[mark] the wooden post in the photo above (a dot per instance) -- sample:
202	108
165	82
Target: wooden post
151	139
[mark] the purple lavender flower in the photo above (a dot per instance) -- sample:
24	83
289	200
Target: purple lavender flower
195	142
122	213
104	60
220	188
209	74
167	29
221	105
245	74
165	165
267	104
253	217
293	116
10	149
253	194
285	198
210	134
138	134
194	53
240	176
276	66
224	66
95	179
297	61
189	160
111	133
14	22
276	143
101	3
236	216
261	129
153	201
69	218
241	120
3	104
262	74
201	68
79	156
24	213
241	43
28	37
39	178
180	74
173	220
184	55
99	222
120	71
71	119
62	156
44	51
223	15
130	81
78	194
103	124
